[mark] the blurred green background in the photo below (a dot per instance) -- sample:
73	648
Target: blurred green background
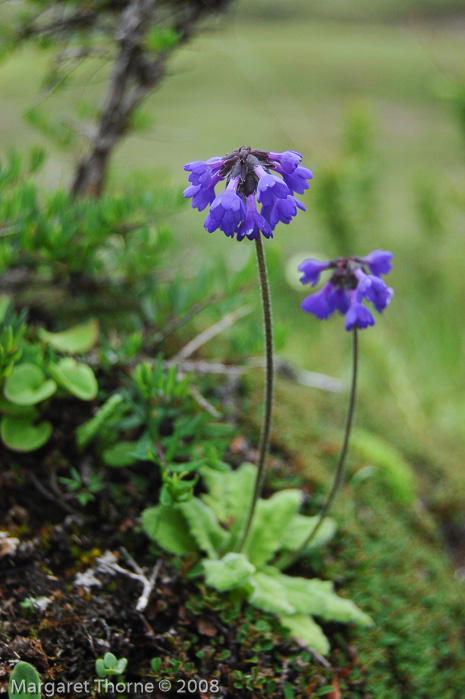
360	89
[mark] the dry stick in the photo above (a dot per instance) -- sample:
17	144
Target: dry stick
266	427
211	332
286	561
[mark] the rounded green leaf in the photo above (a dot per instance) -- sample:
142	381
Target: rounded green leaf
120	455
24	682
77	378
27	385
19	434
9	408
79	338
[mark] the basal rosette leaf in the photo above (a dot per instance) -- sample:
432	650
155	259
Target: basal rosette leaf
299	529
305	630
231	572
167	526
272	517
204	526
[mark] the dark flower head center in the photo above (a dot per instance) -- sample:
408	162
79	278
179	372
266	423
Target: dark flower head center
345	269
242	163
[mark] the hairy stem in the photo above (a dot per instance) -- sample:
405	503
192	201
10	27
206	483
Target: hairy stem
266	427
286	561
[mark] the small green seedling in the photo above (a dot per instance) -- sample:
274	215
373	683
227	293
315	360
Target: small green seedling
109	665
24	682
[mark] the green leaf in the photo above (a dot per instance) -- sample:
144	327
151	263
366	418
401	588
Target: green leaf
272	517
5	302
204	526
120	455
226	490
27	385
24	682
79	338
19	434
268	594
106	415
78	379
305	630
110	660
100	667
14	409
232	571
301	526
317	597
167	526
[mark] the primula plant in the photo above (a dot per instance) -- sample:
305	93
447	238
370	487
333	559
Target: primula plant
245	550
249	180
208	528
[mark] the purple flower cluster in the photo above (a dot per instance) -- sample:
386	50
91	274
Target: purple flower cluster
350	283
249	180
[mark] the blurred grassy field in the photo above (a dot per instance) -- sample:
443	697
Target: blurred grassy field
286	80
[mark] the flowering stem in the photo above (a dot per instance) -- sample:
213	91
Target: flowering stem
266	427
286	561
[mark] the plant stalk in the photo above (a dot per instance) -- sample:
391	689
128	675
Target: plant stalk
286	561
266	427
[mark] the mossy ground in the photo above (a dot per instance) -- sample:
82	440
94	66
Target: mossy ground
389	557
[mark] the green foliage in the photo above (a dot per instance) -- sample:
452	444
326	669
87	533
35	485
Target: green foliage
75	340
24	682
27	385
30	377
12	329
155	418
83	491
19	433
109	665
107	415
208	526
345	190
390	465
75	377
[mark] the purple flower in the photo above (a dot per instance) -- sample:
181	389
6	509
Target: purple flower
374	290
349	285
254	223
379	262
288	161
282	210
311	270
270	187
358	316
297	181
226	211
250	179
322	304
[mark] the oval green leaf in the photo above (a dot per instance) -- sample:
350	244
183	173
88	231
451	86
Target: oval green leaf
120	455
79	338
19	434
27	385
24	682
77	378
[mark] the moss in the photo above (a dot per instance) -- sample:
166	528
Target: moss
389	558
